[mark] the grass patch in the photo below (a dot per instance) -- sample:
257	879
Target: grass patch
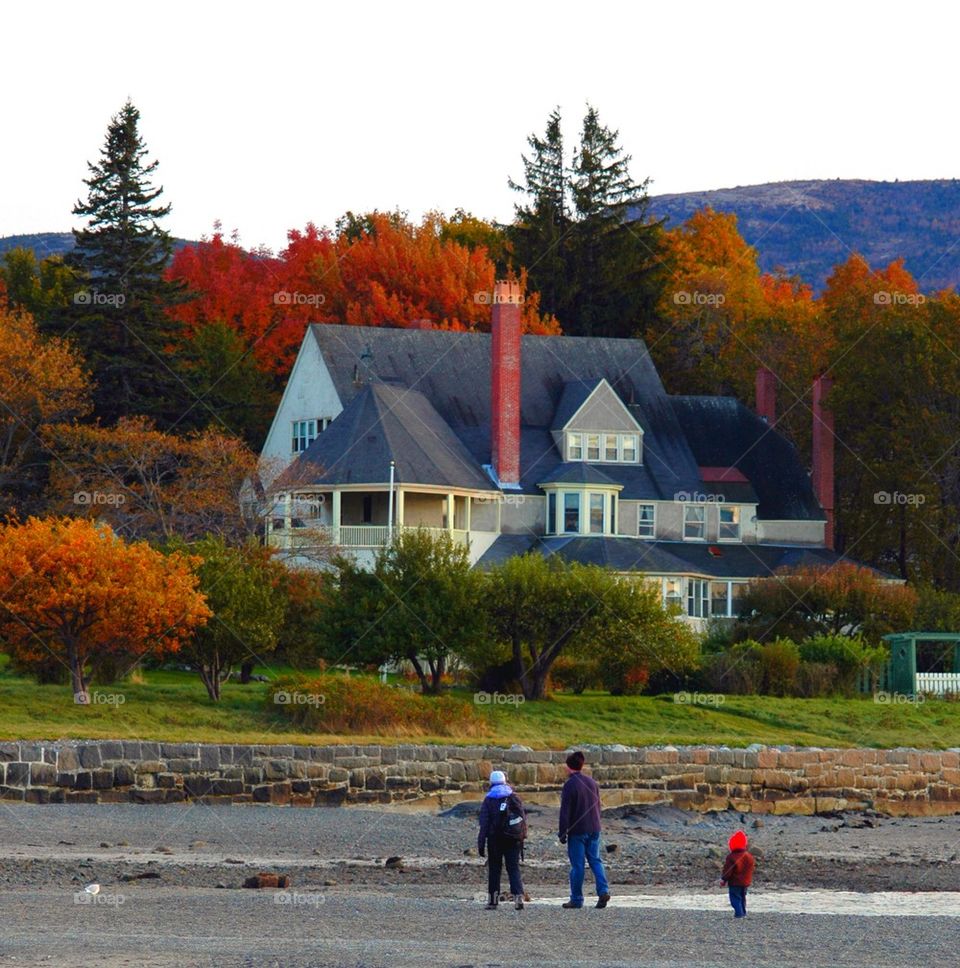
173	707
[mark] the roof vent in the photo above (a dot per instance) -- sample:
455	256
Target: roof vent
715	551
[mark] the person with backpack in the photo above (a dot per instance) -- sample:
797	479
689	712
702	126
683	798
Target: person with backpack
503	828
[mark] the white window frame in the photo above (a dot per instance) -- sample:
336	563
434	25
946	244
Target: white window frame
698	598
563	512
636	438
735	511
607	459
589	448
603	512
305	432
678	598
652	523
574	446
702	509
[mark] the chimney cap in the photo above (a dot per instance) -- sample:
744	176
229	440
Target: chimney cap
507	291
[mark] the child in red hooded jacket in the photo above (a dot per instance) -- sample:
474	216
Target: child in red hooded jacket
738	873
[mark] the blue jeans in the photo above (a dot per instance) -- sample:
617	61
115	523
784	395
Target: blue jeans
738	900
582	847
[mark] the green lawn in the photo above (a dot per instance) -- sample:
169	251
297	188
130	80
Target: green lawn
173	706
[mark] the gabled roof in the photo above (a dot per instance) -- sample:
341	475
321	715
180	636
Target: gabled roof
579	472
722	432
381	423
574	396
452	371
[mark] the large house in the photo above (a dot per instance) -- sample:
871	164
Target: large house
556	445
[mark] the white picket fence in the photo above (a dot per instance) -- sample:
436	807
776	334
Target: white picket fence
939	683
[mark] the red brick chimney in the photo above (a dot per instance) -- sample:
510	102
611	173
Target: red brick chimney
505	382
767	395
821	470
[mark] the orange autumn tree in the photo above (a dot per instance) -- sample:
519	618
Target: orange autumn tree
42	381
379	270
154	485
73	591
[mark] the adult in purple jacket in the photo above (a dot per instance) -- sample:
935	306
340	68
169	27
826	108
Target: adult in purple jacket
580	831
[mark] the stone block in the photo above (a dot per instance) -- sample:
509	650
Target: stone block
198	785
179	765
36	795
110	750
226	787
165	781
209	757
180	751
31	752
42	774
102	779
89	754
9	752
67	758
132	749
81	796
18	774
123	775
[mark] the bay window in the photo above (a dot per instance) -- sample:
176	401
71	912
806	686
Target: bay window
571	512
596	514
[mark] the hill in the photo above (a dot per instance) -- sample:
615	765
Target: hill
807	227
53	243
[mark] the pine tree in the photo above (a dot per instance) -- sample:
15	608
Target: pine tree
616	272
540	234
120	320
585	238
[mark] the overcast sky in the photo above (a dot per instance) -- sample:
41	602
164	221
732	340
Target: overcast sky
270	115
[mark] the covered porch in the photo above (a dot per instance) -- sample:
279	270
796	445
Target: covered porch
360	517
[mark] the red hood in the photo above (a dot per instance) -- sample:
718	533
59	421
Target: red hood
738	841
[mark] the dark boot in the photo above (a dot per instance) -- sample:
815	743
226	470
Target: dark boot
492	903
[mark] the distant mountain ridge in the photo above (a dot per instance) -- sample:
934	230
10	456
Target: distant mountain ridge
807	227
803	227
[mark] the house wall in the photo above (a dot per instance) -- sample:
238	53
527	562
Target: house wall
523	513
483	514
309	394
351	507
603	411
791	532
423	509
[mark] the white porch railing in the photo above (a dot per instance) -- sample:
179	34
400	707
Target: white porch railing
359	535
939	683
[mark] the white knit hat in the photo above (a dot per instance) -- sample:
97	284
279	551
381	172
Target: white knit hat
497	776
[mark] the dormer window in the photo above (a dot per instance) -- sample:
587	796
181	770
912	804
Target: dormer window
729	523
603	448
694	522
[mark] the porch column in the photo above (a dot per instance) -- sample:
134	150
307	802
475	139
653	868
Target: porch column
335	518
466	520
451	507
398	509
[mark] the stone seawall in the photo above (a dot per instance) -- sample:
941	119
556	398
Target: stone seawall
757	779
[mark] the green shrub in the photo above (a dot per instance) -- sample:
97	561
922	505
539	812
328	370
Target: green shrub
778	661
736	671
850	656
624	678
816	680
362	705
575	675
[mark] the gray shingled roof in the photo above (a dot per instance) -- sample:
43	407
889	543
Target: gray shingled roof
722	432
384	422
665	557
579	472
452	370
573	397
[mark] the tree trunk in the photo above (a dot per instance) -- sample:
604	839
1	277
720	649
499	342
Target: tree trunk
436	674
80	694
246	672
424	683
210	675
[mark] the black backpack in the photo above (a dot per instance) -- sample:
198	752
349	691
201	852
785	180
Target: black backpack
511	821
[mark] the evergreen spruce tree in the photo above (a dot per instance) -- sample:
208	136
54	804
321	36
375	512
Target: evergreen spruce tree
540	234
119	320
585	237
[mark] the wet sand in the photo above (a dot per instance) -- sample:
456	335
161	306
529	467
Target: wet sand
829	890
